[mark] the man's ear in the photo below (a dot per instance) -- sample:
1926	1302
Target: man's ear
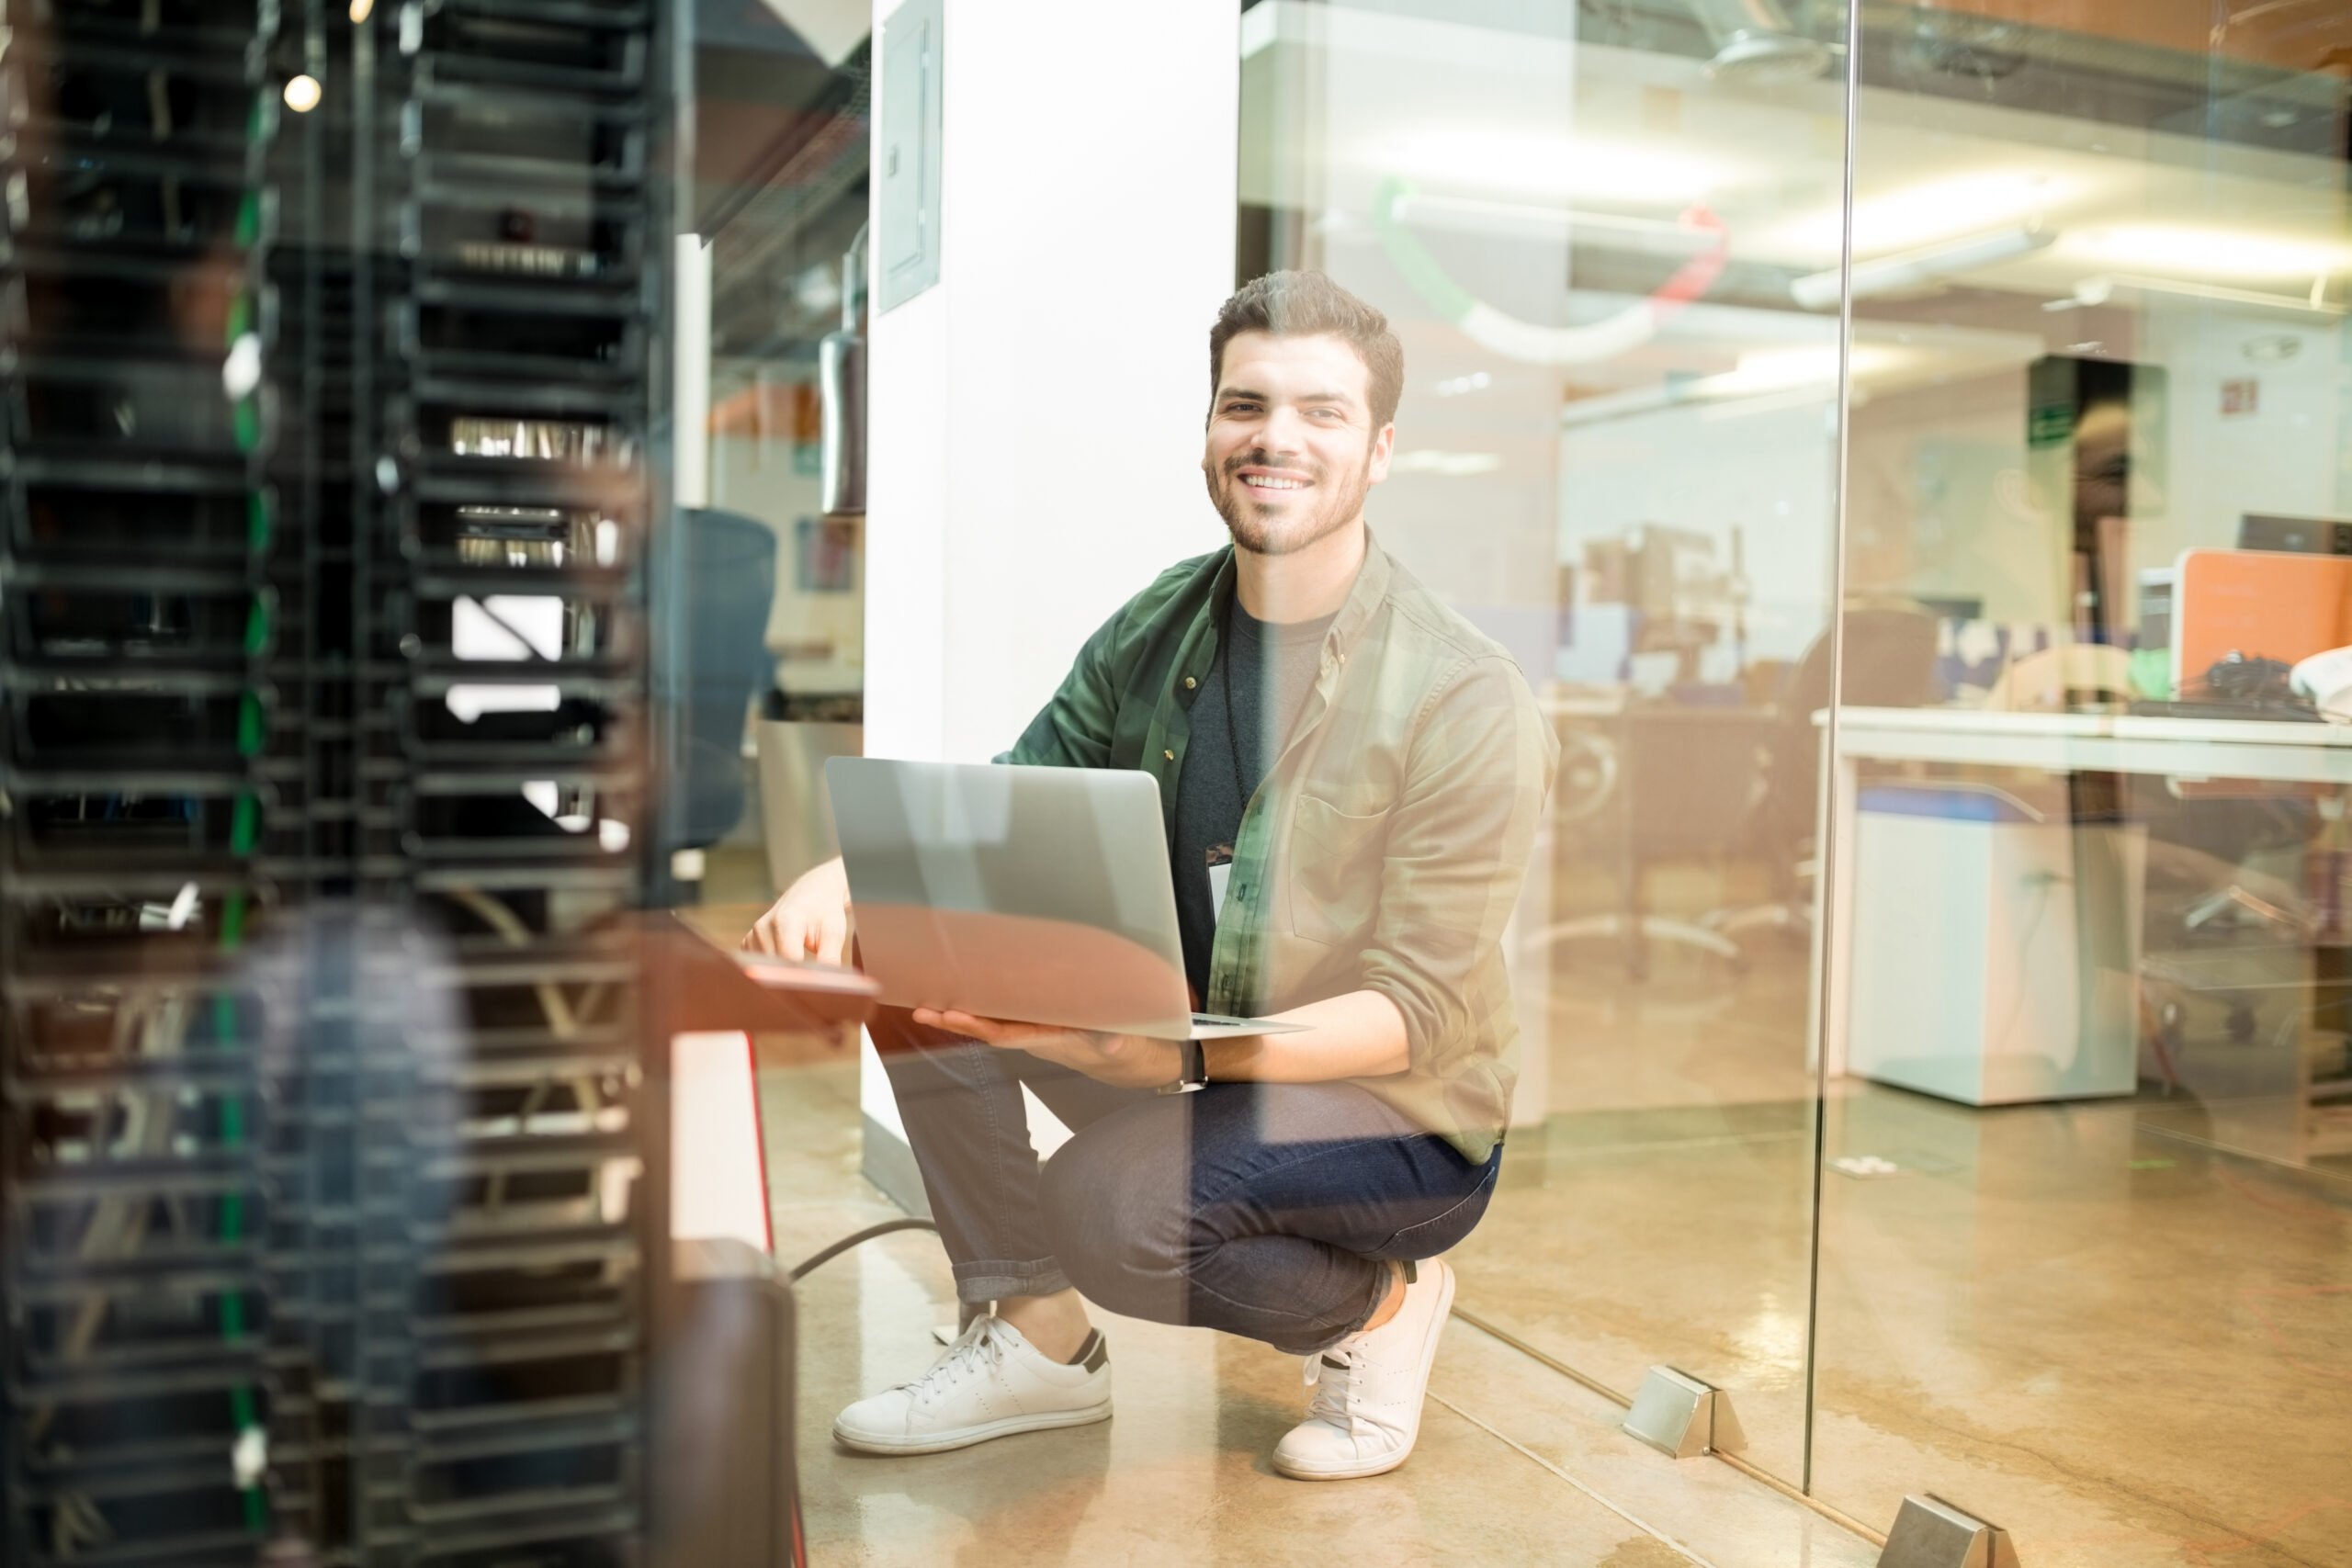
1382	443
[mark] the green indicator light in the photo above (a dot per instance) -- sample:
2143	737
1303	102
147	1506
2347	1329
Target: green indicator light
251	729
244	825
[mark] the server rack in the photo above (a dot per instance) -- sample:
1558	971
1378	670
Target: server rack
330	477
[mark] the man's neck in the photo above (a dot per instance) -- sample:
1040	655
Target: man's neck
1306	585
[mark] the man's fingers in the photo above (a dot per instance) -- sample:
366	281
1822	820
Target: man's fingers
827	938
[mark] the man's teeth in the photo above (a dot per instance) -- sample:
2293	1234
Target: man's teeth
1260	481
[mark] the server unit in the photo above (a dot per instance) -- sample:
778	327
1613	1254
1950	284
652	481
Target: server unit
333	1161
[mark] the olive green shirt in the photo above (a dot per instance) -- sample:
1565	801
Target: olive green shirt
1385	847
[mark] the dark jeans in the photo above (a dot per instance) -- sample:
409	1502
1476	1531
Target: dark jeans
1262	1210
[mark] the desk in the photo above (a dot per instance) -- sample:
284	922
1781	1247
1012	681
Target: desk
2281	751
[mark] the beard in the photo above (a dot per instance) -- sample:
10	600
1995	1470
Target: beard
1279	528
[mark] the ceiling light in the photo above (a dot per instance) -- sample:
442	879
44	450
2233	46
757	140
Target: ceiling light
2294	303
303	94
1445	464
361	10
2210	253
1928	264
1773	370
1519	220
1455	386
1919	215
1557	166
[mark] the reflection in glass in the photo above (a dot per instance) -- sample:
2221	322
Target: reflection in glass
1617	452
2083	1208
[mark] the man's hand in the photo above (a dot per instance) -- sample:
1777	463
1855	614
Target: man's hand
1126	1061
810	922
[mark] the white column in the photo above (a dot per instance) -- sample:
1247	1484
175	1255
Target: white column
1036	415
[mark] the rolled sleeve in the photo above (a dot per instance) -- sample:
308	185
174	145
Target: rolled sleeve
1457	848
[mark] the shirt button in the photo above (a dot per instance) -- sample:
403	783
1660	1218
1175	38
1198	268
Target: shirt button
1190	683
1169	755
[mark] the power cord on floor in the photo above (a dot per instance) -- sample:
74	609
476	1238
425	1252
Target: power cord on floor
819	1259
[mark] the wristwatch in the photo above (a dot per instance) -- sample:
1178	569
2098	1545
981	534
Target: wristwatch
1195	1073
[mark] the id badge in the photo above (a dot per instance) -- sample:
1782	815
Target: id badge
1220	873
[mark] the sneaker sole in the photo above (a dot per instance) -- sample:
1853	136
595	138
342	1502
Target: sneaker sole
1388	1462
1011	1426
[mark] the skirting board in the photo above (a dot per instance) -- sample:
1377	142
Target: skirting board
885	1160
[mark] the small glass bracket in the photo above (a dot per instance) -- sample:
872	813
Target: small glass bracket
1932	1533
1679	1414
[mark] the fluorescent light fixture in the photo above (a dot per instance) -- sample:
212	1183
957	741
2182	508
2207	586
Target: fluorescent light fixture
1788	376
2209	252
1445	464
1921	215
1514	219
1774	370
1557	167
2095	290
1931	264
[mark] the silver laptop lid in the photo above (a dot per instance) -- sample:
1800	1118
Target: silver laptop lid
1039	893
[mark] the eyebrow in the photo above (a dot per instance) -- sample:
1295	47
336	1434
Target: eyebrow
1342	399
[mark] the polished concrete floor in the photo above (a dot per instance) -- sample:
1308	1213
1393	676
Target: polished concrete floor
1516	1462
2122	1329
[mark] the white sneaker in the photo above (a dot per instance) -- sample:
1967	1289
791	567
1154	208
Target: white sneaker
1366	1411
991	1383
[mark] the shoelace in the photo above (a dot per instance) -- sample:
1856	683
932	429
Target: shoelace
978	1345
1335	1397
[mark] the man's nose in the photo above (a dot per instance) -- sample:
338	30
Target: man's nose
1283	431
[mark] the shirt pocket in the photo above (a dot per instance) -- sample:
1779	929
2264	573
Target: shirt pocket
1335	866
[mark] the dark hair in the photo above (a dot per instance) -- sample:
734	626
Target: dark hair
1307	304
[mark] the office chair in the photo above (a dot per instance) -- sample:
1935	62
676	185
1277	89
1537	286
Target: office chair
714	607
1890	661
1680	781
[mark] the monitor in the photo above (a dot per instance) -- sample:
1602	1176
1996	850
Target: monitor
2303	536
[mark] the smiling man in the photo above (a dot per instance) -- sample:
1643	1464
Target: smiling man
1355	775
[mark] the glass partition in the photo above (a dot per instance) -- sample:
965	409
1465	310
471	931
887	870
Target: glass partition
1616	452
2085	1199
1931	1034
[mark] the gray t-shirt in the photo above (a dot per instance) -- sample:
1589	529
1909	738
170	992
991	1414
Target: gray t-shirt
1260	682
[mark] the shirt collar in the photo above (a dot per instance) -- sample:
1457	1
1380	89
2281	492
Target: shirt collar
1365	597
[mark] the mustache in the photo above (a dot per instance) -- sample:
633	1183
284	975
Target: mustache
1259	459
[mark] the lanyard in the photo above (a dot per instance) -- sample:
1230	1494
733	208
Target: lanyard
1232	737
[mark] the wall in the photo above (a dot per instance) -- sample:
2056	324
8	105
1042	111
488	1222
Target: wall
1036	415
1767	470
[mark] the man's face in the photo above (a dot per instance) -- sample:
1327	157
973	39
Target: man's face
1292	450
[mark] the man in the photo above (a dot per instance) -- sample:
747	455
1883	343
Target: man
1353	777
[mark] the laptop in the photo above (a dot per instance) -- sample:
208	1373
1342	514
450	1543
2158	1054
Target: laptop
1036	893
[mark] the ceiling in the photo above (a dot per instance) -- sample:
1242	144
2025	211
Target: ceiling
1548	160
